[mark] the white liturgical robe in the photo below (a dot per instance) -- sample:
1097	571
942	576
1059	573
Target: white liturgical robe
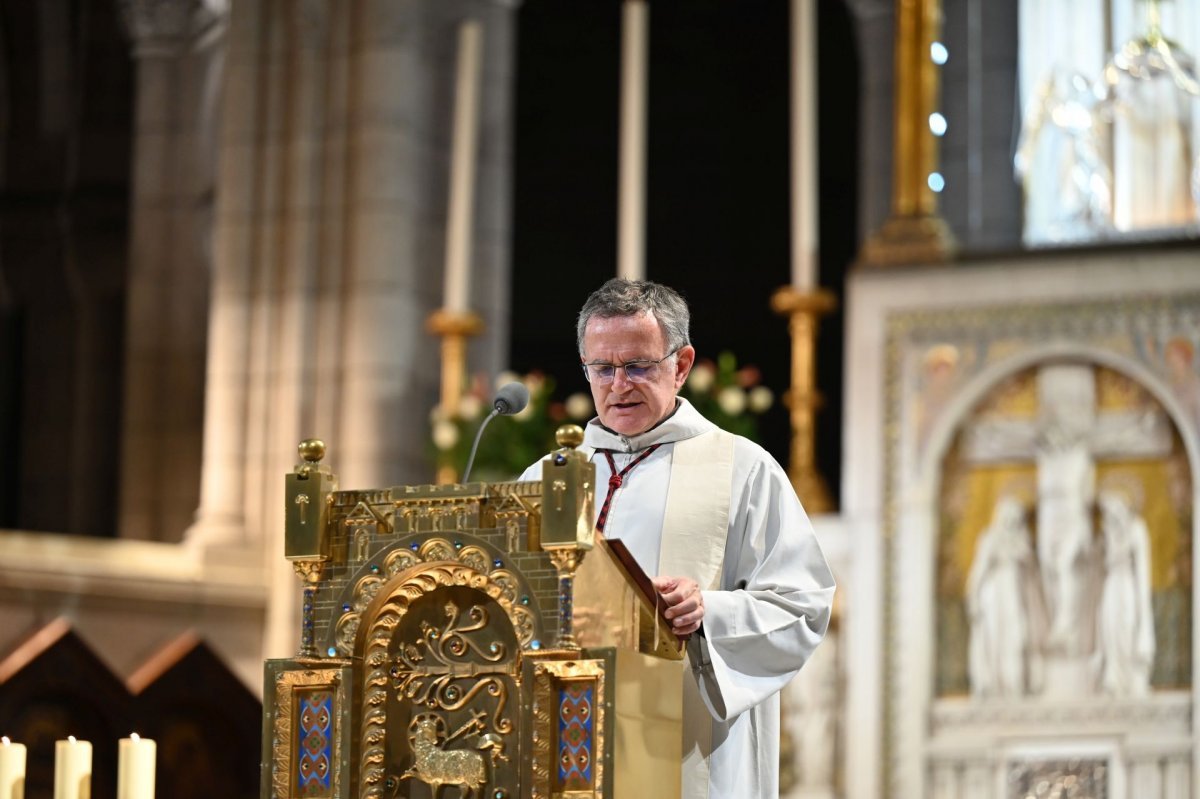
770	610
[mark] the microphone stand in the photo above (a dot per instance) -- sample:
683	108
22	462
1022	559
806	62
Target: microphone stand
475	445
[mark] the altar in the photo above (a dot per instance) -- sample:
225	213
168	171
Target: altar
1022	436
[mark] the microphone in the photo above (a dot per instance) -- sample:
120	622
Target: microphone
510	399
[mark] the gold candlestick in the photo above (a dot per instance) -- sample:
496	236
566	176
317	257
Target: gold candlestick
804	308
914	231
454	327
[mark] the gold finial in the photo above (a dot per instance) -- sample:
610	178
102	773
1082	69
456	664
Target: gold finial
569	435
312	450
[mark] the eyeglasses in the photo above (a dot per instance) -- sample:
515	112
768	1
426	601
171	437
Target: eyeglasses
635	371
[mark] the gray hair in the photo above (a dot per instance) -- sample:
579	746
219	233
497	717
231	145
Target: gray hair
620	297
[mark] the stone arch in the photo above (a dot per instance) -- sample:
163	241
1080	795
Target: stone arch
925	502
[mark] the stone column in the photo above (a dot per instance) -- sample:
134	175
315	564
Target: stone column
330	229
178	46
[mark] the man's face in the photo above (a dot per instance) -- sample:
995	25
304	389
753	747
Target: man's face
626	407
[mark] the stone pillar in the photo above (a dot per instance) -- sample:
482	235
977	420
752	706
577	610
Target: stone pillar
330	230
178	47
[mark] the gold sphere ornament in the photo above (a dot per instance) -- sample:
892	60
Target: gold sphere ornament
312	450
569	435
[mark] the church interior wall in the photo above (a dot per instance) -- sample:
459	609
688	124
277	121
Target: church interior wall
192	280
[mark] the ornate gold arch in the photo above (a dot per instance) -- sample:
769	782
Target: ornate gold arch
380	620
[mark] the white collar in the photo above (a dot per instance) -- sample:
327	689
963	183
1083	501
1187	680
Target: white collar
685	423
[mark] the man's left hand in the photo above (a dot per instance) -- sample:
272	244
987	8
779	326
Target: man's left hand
685	603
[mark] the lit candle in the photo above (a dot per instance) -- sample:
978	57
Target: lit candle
135	768
459	222
72	769
12	769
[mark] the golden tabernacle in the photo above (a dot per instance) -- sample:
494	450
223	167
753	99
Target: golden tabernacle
479	636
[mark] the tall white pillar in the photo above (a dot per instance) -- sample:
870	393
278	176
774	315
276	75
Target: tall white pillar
631	210
178	48
805	179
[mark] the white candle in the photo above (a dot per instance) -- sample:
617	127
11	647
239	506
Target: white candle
135	768
12	769
631	207
72	769
805	241
459	222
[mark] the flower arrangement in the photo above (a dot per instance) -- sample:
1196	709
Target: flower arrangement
510	444
731	397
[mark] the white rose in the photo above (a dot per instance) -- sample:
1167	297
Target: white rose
761	398
506	377
469	407
732	400
445	435
525	413
701	378
579	406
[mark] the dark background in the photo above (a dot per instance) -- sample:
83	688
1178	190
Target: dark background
718	185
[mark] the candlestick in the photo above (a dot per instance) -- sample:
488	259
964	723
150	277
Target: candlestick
135	768
12	769
805	235
454	329
914	233
459	220
631	208
803	310
72	769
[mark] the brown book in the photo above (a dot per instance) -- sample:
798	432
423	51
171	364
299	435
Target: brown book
640	581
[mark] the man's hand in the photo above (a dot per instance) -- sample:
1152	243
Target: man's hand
685	603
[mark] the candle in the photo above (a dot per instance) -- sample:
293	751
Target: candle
631	203
135	768
12	769
459	220
72	769
805	243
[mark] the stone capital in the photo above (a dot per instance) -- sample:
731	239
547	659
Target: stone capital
170	27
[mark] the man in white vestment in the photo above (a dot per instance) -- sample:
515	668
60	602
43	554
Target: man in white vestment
717	519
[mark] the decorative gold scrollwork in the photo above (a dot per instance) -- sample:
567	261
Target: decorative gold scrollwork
436	549
475	557
347	630
507	581
398	560
446	668
523	624
365	590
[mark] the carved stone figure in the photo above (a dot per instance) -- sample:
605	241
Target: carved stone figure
1124	618
1066	480
999	588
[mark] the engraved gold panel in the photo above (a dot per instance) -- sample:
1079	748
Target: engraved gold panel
464	667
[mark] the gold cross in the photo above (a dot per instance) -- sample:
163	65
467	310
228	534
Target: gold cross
302	501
